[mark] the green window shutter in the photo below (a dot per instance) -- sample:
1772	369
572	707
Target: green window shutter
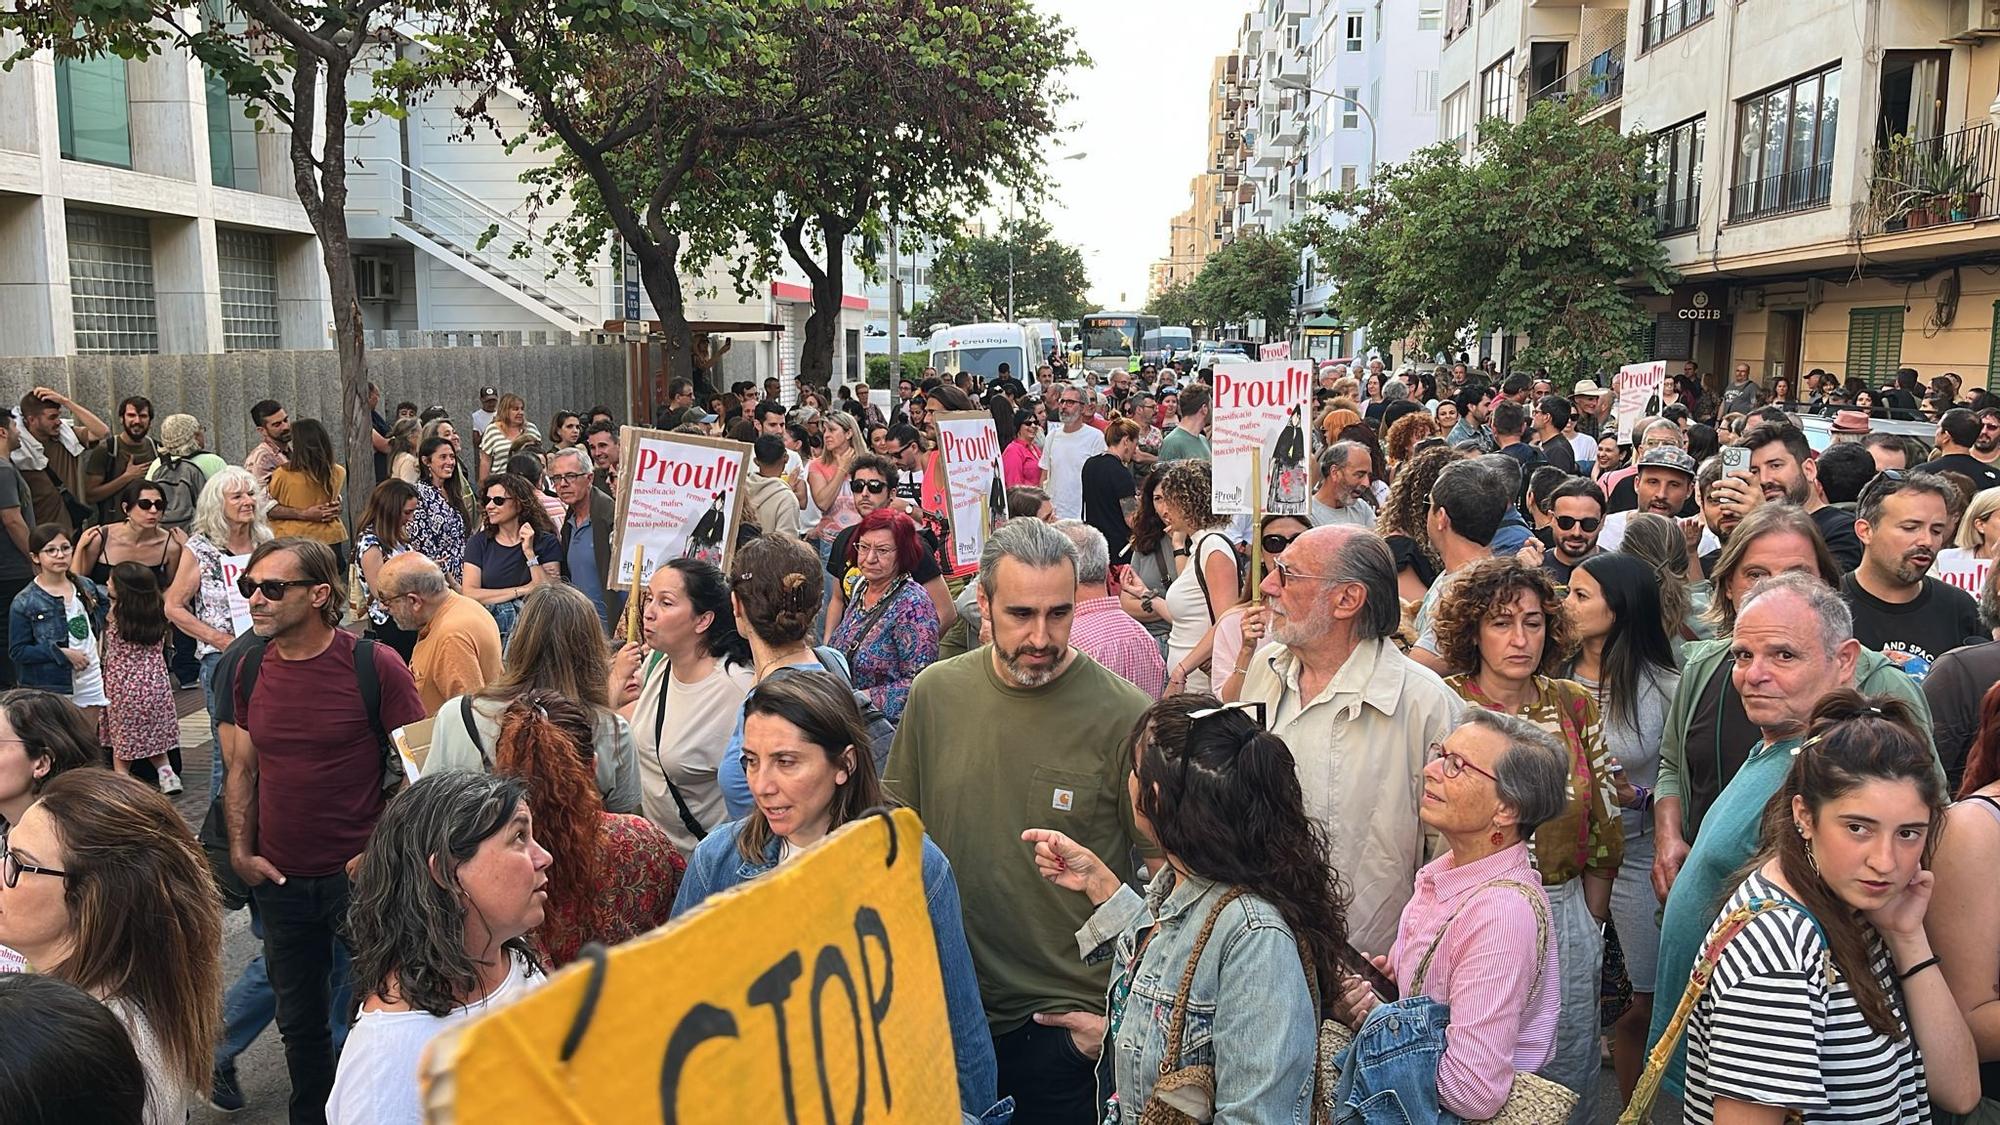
1874	343
1993	350
1640	346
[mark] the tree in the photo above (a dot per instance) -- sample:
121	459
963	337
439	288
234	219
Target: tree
1253	275
1541	234
289	60
951	302
1176	305
1049	277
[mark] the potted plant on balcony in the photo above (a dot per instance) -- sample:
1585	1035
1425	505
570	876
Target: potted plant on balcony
1957	189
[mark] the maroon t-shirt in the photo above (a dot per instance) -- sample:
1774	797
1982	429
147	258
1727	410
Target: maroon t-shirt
319	764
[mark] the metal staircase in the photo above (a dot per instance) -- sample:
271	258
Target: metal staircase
491	247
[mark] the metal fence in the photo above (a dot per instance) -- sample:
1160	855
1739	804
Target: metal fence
1800	189
1949	178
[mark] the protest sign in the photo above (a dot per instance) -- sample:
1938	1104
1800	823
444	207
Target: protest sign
233	567
970	447
1956	566
1632	388
679	496
809	993
1280	350
1261	406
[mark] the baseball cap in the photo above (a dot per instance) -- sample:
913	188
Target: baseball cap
488	392
1668	457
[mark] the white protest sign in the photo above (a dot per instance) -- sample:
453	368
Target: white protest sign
679	496
1956	566
233	567
1280	350
971	450
1632	388
1261	406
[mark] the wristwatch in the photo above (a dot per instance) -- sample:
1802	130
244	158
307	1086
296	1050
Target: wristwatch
1180	552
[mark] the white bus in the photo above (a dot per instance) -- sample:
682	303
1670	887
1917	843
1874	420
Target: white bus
980	349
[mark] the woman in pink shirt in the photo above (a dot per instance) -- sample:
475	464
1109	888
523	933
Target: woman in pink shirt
1021	461
1476	935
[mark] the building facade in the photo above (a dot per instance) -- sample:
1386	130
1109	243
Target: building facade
1828	173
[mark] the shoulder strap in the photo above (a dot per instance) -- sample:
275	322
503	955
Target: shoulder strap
369	680
1178	1021
874	618
1537	901
688	819
472	729
246	674
1201	575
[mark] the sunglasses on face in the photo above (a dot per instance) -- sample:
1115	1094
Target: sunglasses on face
273	589
1590	523
147	505
496	501
1275	544
872	487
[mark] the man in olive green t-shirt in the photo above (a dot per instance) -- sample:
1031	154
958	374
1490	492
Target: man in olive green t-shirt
1022	733
1188	440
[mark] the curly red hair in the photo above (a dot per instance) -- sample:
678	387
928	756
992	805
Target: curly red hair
547	741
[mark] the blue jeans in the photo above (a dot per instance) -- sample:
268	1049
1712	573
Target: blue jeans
250	1005
1389	1074
216	768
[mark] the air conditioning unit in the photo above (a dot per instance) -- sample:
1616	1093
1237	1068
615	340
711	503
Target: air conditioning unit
374	279
1981	21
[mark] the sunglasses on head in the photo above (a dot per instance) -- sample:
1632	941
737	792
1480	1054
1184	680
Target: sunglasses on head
1590	523
273	589
872	487
1275	544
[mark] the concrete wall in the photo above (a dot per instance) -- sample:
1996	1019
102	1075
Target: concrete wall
219	389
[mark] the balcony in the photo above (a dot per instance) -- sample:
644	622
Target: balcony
1672	19
1933	182
1801	189
1599	81
1674	215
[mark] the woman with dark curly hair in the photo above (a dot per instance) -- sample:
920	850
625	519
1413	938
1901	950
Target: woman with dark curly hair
1501	620
1208	581
619	871
1402	439
452	883
1405	526
1245	907
514	552
1149	559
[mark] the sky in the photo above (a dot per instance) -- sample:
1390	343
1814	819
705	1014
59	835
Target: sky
1140	119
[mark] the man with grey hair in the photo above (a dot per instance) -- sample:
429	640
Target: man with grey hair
588	513
1026	732
1099	626
1359	716
1793	645
1345	469
458	642
1467	506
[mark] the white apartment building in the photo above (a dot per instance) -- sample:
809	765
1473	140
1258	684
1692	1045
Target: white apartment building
1829	171
142	212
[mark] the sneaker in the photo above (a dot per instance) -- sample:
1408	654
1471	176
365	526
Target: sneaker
170	782
188	685
224	1094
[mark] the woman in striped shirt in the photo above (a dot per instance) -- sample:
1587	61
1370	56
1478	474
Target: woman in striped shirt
1831	1003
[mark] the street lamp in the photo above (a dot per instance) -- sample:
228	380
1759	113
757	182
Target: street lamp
1010	240
1294	82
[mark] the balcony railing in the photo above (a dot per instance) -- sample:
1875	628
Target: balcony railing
1602	79
1676	214
1800	189
1943	179
1672	19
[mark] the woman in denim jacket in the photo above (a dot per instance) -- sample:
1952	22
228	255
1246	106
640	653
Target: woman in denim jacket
46	651
1245	867
800	733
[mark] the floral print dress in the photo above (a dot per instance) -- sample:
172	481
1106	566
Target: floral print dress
437	532
140	721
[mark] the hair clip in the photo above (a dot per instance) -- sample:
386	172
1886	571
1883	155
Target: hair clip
1251	708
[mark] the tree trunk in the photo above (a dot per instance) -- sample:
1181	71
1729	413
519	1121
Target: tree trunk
659	272
828	281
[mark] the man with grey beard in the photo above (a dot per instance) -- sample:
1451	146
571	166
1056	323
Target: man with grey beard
1026	732
1359	716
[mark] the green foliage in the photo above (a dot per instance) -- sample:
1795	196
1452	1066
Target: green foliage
913	369
1176	305
1253	275
969	276
1541	234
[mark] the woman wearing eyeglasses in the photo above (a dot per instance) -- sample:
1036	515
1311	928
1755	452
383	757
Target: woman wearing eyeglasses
1224	962
1477	935
871	485
42	736
1021	461
103	886
515	551
1501	619
1240	632
889	630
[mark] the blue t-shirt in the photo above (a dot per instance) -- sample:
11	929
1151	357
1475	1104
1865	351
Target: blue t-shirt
583	570
501	567
735	785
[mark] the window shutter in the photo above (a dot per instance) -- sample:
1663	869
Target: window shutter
1874	343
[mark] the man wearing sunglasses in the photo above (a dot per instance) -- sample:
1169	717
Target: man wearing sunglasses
305	759
1576	513
871	480
1069	446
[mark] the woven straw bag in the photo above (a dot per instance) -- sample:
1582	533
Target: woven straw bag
1533	1100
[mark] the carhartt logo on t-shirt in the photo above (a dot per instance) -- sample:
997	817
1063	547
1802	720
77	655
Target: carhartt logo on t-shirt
1064	798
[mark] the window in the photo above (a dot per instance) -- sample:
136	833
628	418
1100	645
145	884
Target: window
1454	116
92	118
1496	90
1427	91
1675	157
1349	177
1784	146
111	283
1668	18
1353	33
1430	15
249	266
1874	343
1350	116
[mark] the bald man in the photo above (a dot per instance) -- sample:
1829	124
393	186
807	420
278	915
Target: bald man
458	642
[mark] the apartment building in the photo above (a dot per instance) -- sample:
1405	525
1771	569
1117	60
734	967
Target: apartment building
1829	172
142	212
1316	95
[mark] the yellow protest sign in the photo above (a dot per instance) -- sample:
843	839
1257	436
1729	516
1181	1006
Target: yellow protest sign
809	994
